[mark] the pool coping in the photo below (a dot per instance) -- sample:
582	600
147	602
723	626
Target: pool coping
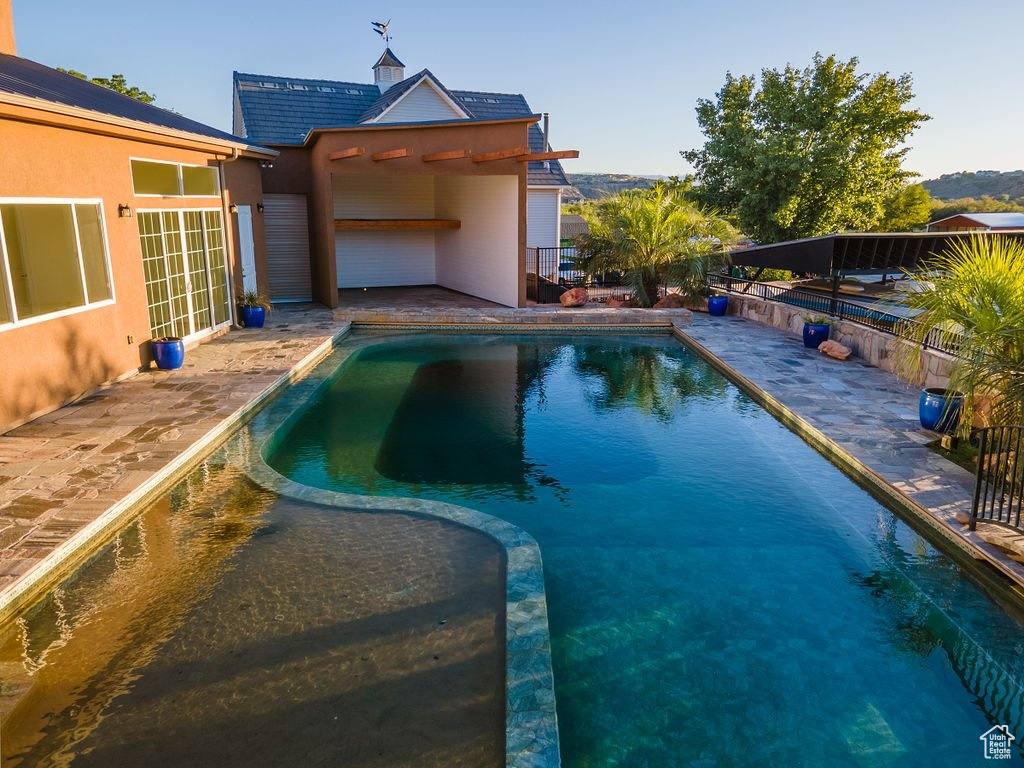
967	549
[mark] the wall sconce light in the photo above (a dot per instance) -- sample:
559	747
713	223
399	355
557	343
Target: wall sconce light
124	211
232	208
266	164
259	207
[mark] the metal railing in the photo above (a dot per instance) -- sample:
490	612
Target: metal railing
879	319
552	271
999	479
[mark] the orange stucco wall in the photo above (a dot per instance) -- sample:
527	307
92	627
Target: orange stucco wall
48	362
308	171
7	28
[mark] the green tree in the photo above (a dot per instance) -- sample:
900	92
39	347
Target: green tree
115	83
984	204
906	209
808	152
977	291
654	236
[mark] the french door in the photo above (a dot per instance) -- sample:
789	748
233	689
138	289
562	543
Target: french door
185	267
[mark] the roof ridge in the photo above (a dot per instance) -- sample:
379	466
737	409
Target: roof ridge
236	76
488	93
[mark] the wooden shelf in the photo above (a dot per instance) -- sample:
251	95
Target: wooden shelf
380	225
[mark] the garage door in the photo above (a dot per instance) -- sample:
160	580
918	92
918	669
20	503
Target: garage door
287	231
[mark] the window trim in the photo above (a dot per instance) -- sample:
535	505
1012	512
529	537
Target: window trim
8	284
181	181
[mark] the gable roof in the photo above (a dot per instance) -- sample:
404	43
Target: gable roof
22	77
1002	219
397	91
280	110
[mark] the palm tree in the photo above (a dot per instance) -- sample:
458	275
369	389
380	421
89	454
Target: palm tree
978	292
654	236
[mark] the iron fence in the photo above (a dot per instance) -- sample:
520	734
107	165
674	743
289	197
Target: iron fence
552	271
879	319
999	478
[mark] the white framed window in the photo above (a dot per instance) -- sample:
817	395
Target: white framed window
54	259
159	178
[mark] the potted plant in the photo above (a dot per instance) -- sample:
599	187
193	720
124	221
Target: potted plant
168	352
718	305
939	409
815	331
975	300
253	308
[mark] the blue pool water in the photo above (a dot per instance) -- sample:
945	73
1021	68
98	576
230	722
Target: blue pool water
719	594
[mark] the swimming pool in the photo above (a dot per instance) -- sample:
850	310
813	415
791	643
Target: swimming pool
719	594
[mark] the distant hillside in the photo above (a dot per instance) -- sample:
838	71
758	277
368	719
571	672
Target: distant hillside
594	186
951	186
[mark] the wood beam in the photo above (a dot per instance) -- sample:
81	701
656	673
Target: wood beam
558	155
380	225
344	154
451	154
391	154
503	154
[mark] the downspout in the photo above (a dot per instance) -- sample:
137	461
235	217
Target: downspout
547	139
229	241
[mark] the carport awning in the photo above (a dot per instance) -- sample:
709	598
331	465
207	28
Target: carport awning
855	252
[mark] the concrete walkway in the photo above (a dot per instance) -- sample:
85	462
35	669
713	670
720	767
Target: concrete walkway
866	411
66	469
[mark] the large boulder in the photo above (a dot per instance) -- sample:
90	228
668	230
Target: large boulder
834	349
574	297
671	301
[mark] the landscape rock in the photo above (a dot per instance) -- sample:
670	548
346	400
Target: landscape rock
611	301
834	349
672	301
574	297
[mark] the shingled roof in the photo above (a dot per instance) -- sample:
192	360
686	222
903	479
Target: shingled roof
23	77
283	110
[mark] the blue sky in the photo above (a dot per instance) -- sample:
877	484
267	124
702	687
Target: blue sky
620	79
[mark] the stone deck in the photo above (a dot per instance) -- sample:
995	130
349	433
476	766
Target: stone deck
66	469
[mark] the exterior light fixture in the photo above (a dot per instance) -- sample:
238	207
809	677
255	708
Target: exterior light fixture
232	208
124	211
259	207
266	164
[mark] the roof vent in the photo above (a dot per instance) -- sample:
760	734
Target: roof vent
353	91
295	87
325	89
265	84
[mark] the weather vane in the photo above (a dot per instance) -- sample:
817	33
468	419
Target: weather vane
381	28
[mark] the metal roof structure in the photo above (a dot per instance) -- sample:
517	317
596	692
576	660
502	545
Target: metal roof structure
23	77
282	110
853	253
1001	220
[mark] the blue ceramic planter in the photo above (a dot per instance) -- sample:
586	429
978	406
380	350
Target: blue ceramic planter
168	353
717	305
253	317
940	409
814	334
